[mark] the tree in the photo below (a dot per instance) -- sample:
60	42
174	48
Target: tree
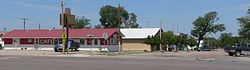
81	22
211	42
131	23
151	40
244	22
113	17
98	26
169	38
226	39
191	41
206	24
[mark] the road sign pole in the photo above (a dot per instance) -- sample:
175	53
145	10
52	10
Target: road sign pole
62	23
63	42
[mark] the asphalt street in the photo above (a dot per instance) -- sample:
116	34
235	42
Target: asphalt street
101	63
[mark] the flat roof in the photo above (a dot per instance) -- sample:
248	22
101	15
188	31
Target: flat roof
138	33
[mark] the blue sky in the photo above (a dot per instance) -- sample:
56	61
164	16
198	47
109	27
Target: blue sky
177	15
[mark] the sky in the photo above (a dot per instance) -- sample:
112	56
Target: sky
177	15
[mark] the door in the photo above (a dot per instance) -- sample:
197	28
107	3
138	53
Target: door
15	42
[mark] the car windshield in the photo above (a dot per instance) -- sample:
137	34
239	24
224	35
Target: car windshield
241	45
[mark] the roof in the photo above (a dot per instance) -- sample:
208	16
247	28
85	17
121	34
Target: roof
73	33
139	33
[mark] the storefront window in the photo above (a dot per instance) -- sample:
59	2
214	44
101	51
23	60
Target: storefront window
26	41
96	42
112	41
89	41
83	41
8	40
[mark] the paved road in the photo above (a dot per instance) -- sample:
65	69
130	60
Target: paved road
100	63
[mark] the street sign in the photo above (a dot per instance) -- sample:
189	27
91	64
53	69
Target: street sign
70	19
67	19
64	36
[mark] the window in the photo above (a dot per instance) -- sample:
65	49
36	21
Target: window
82	41
89	41
96	42
8	40
112	41
26	41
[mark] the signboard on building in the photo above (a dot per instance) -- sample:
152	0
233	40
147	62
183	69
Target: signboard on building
46	41
67	18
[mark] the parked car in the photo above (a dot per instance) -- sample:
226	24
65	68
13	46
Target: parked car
1	44
238	50
206	48
71	45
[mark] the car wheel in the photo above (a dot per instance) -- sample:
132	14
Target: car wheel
76	49
231	54
1	48
55	49
237	53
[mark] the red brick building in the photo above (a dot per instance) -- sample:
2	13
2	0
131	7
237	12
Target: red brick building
44	39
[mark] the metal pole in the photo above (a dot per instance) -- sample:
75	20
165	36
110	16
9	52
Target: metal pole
62	22
67	39
119	25
39	26
24	23
4	29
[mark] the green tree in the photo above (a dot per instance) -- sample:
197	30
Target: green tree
211	42
226	39
205	25
151	40
98	26
168	38
131	23
244	22
113	17
191	41
81	22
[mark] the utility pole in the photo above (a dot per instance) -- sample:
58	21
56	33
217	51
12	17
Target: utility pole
62	23
160	35
24	22
177	30
4	29
119	26
39	26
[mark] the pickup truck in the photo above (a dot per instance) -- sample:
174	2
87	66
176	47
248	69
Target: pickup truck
1	44
238	50
71	45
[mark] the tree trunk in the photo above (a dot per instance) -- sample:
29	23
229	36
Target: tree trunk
198	44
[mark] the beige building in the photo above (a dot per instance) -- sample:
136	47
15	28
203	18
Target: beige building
134	38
